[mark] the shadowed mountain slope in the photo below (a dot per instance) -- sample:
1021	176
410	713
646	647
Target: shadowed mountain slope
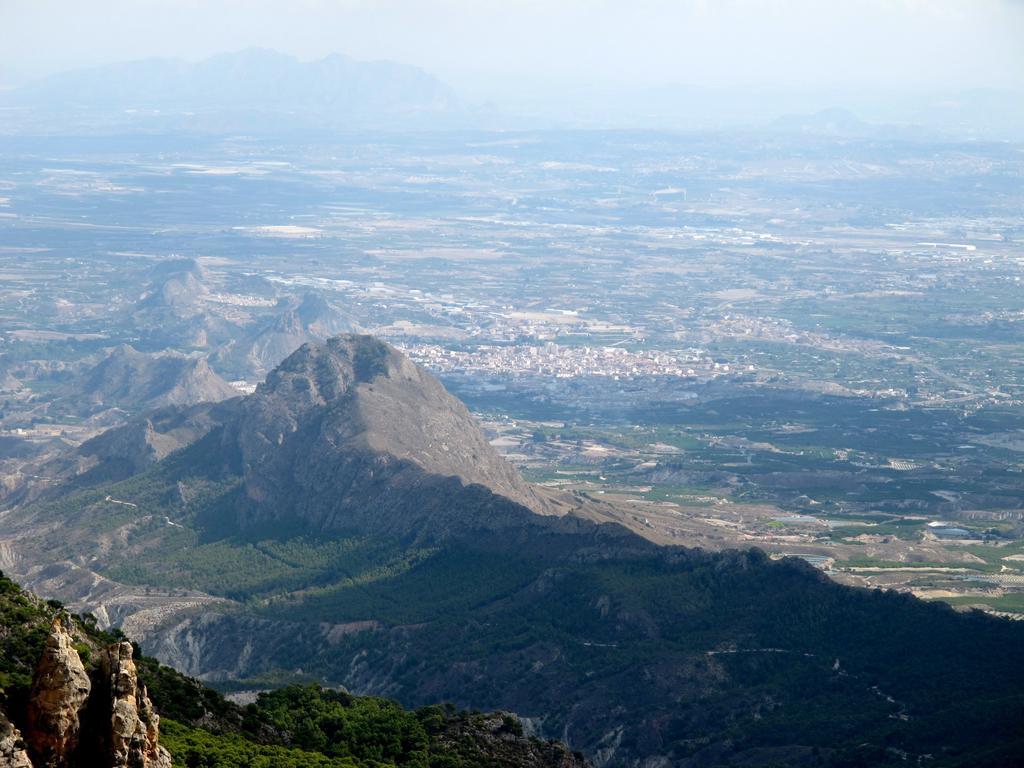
353	429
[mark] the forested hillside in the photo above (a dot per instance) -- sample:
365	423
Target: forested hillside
293	727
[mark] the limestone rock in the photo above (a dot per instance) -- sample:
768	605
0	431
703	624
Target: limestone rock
59	693
12	747
134	725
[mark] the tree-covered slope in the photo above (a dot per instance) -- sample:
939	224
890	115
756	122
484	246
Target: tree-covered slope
297	726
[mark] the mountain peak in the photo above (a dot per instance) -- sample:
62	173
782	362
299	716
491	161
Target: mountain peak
323	372
338	421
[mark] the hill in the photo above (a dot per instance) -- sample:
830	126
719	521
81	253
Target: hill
349	522
177	285
134	381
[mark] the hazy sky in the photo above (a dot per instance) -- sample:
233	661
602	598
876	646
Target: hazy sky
473	44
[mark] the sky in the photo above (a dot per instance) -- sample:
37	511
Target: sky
488	47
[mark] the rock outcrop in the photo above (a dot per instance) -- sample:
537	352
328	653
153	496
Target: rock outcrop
59	694
12	747
134	725
105	720
498	739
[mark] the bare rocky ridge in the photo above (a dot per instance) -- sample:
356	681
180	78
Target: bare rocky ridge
119	452
128	449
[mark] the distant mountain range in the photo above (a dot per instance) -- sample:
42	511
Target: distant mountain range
915	115
258	88
261	91
348	522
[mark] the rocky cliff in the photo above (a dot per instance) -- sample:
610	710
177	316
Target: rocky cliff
59	694
133	738
12	746
76	719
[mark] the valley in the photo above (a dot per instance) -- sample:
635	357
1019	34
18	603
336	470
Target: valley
652	440
773	340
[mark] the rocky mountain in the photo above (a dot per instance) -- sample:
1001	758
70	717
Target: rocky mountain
177	286
352	433
313	318
349	522
173	311
72	695
254	88
314	445
135	381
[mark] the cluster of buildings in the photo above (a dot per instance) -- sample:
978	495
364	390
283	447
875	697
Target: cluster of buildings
561	361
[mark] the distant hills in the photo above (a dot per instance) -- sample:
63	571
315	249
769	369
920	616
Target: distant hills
170	313
917	115
260	91
828	122
136	381
260	88
349	522
177	285
261	348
